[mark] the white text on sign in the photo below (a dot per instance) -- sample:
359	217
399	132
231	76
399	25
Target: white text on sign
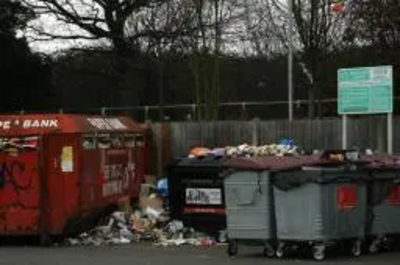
29	124
40	124
107	123
5	125
117	178
203	196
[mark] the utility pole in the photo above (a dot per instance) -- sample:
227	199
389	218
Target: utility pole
290	61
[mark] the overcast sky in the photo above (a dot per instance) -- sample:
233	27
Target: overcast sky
52	25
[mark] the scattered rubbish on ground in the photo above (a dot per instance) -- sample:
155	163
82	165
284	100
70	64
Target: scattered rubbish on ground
148	223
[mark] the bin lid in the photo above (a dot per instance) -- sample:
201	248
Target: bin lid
206	161
275	162
382	161
38	124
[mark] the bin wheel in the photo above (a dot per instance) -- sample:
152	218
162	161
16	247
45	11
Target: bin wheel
46	240
356	249
269	252
373	248
280	251
319	252
232	249
388	244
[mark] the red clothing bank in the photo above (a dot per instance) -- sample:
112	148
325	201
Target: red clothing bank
57	172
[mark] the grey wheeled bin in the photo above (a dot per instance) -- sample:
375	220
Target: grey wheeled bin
249	201
384	204
319	207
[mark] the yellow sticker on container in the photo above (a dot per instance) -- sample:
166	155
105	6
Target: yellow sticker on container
67	163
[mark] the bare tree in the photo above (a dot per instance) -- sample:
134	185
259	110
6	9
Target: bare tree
168	25
194	29
375	23
96	19
318	32
258	32
213	21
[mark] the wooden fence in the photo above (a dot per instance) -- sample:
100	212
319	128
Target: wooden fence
177	138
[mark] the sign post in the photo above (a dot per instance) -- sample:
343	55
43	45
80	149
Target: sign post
366	91
344	132
390	133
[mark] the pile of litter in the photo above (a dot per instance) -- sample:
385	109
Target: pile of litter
150	223
285	147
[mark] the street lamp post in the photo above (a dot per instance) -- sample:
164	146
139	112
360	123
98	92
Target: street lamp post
290	60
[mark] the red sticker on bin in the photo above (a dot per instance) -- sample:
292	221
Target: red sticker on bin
346	197
394	196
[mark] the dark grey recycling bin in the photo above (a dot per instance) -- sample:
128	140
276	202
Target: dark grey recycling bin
319	206
249	200
383	202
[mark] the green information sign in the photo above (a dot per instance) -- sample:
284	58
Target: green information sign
365	90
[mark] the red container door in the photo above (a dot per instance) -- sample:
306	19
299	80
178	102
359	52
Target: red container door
63	179
90	174
116	172
19	192
139	170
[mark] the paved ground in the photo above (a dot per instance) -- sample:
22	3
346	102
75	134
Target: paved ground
150	255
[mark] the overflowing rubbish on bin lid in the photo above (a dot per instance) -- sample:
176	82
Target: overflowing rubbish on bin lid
284	147
287	155
327	158
273	163
382	161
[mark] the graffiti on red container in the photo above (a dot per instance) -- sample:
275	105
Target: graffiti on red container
16	182
19	192
118	172
18	172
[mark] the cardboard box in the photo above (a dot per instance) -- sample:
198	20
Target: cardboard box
155	203
124	205
146	190
150	179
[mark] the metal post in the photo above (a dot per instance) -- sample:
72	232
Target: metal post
194	117
344	132
290	60
146	113
159	140
390	133
254	132
243	110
